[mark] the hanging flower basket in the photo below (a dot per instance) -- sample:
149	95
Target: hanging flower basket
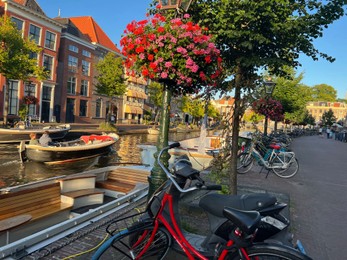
177	52
28	100
270	108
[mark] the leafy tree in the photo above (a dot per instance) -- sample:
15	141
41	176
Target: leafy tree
292	94
110	77
328	118
324	92
15	61
155	91
256	35
308	119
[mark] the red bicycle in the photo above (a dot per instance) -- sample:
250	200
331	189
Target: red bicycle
150	234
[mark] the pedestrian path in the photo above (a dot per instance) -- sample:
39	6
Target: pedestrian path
318	195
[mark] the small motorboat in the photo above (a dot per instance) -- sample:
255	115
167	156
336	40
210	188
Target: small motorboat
15	135
87	146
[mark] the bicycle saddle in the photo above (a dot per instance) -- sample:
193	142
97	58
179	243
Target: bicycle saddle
215	203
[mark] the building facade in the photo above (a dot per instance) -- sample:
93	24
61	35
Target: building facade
71	48
32	22
317	109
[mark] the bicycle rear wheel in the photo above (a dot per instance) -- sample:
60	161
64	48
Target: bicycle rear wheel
288	172
245	162
270	252
139	243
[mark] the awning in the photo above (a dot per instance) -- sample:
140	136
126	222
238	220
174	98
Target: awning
133	110
135	93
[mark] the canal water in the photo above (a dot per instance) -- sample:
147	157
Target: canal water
13	172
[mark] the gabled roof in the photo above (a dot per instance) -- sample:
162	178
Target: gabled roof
72	29
88	26
31	4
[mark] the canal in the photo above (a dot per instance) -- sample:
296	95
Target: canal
13	172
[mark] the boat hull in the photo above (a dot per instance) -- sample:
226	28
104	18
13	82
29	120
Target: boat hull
38	153
17	135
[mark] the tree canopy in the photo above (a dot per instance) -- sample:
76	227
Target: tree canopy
263	35
328	118
110	77
324	92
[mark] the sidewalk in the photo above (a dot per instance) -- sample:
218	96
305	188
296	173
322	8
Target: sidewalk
318	195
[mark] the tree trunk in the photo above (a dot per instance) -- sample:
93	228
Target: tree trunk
235	134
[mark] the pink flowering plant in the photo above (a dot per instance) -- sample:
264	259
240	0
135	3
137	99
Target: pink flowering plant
270	108
174	51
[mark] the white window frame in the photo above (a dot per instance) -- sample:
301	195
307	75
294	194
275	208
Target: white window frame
73	48
52	65
86	53
72	63
85	67
38	42
50	41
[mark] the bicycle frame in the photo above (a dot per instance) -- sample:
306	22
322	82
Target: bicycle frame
273	155
177	234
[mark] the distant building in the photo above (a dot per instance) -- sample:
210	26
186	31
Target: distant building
317	108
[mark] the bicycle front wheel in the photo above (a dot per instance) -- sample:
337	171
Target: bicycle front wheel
288	172
245	162
144	243
270	252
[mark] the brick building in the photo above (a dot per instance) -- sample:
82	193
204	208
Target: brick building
316	109
71	48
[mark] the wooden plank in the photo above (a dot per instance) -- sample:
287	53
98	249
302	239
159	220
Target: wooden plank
115	186
81	193
76	177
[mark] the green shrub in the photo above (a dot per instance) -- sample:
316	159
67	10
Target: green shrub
108	127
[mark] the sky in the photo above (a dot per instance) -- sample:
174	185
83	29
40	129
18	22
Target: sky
114	15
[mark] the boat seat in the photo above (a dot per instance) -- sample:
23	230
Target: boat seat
123	179
42	202
85	197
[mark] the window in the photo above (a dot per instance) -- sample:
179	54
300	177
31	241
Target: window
33	55
13	98
71	86
50	40
30	90
83	107
46	93
48	64
35	33
85	67
19	23
98	107
86	53
72	63
73	48
84	88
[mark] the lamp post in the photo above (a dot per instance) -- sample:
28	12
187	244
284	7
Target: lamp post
175	4
158	176
269	87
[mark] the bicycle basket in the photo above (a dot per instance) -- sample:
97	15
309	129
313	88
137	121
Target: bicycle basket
131	222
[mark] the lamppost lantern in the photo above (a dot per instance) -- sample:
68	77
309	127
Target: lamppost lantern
175	4
269	86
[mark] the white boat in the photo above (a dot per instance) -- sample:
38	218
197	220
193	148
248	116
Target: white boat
189	147
11	135
36	214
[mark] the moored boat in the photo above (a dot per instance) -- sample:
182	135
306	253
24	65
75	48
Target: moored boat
36	214
86	146
11	135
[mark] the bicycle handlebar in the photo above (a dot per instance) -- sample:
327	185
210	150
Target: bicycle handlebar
172	178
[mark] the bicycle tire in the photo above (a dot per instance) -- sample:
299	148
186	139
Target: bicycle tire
245	163
266	251
128	244
288	172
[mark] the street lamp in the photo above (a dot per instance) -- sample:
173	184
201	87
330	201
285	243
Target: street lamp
175	4
158	176
269	87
